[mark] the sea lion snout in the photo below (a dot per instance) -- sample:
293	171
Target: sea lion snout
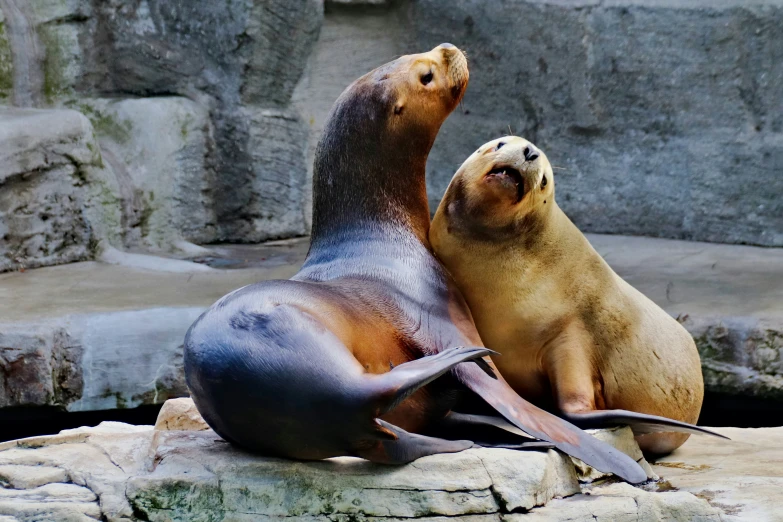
456	65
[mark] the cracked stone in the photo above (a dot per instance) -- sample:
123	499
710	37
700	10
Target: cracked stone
28	477
141	473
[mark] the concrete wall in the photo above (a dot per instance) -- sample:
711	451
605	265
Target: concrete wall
664	117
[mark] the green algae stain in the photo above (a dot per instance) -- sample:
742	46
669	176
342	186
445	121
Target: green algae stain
106	125
6	65
54	81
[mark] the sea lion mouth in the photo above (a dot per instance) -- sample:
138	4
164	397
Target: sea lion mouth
509	177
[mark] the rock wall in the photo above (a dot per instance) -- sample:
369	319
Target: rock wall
189	120
663	117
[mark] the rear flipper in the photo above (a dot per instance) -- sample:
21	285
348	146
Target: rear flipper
545	426
408	447
640	423
391	388
488	432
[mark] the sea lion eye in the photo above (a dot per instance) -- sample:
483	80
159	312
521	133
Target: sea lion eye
543	182
427	78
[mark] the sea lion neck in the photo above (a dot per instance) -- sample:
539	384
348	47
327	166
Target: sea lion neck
367	175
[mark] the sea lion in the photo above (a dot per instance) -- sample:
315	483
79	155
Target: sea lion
568	327
332	362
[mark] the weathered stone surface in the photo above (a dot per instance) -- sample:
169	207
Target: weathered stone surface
138	473
56	197
236	62
123	346
741	477
624	503
30	477
278	178
159	149
39	365
647	108
179	415
239	59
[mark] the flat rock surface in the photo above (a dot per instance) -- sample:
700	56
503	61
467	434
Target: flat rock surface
119	472
743	477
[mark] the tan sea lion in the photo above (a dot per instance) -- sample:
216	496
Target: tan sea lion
342	359
567	327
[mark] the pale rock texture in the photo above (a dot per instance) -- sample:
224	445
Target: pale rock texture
136	473
57	198
741	477
158	149
179	415
189	102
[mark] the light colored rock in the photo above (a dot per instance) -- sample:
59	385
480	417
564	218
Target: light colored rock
188	86
159	151
152	339
113	256
238	60
179	414
124	346
624	503
56	197
49	493
29	477
139	473
742	477
277	144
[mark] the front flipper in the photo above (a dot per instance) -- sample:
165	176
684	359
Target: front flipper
545	426
391	388
407	447
640	423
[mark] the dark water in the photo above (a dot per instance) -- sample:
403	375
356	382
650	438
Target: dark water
718	410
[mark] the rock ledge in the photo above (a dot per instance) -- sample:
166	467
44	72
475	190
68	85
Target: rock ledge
119	472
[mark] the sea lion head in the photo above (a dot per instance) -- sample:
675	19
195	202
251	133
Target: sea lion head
499	192
371	158
421	90
409	96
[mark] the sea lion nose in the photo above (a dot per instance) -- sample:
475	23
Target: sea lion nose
531	153
448	50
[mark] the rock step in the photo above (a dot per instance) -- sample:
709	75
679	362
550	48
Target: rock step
127	325
141	473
